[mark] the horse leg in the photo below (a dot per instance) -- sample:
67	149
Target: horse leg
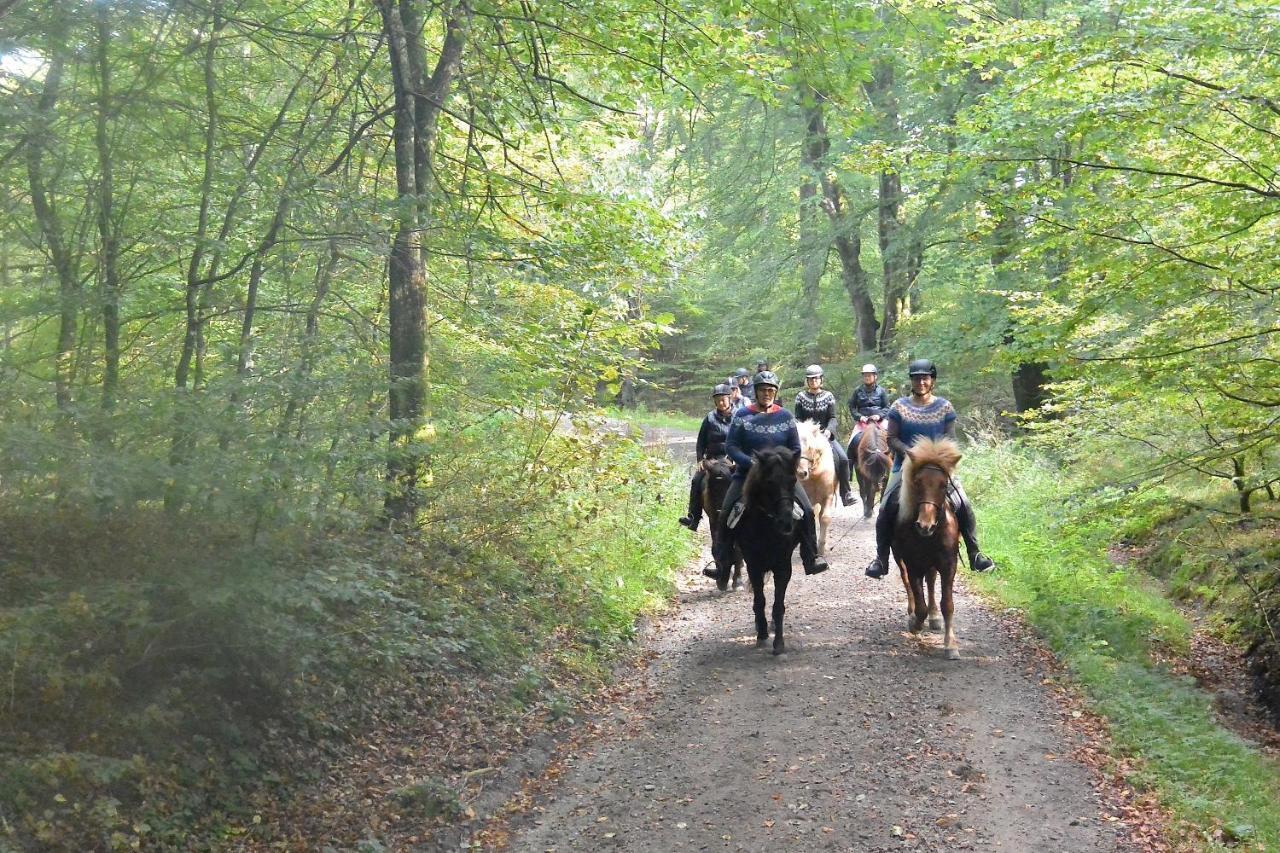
781	577
950	647
934	621
737	571
757	606
906	586
820	521
922	608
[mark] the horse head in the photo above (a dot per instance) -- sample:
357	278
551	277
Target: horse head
719	470
813	447
926	475
770	486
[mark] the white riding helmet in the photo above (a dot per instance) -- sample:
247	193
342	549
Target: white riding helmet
870	368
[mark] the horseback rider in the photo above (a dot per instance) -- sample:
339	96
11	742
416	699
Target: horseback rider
868	402
740	383
816	404
712	436
928	416
760	425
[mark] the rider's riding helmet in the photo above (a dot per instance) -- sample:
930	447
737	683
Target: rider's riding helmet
812	371
765	377
922	367
870	368
721	390
741	372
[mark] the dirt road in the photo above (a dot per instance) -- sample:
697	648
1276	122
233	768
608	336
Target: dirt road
861	737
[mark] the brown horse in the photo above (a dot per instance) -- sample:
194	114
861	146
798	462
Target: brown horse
715	485
926	538
872	464
819	483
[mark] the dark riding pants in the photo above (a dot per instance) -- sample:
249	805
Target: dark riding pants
842	467
695	495
888	517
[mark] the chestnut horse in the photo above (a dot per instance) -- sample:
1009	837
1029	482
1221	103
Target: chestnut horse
872	464
767	533
714	486
926	538
820	482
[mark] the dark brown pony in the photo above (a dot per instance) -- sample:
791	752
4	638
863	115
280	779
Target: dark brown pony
714	486
872	464
767	533
926	538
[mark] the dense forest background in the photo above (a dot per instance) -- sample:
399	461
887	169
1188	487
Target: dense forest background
298	301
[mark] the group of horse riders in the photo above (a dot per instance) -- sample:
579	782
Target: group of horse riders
738	427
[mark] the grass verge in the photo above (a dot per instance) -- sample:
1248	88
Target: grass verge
1108	625
643	417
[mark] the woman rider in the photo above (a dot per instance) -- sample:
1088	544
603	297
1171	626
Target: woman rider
757	426
922	415
711	445
815	404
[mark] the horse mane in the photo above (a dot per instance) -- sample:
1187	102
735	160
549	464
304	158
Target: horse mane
942	452
811	436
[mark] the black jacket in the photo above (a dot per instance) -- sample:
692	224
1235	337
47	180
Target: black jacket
864	403
713	435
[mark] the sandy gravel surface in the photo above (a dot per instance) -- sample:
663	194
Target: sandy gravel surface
862	737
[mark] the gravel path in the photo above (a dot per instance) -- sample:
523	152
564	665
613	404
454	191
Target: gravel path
861	737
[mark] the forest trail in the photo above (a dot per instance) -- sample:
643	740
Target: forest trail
862	737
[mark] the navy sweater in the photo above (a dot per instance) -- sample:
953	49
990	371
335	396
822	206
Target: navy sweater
753	429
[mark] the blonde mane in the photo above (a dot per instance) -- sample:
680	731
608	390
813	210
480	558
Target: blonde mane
811	438
943	452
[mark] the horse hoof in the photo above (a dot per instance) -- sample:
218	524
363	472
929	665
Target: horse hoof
761	642
737	585
916	626
953	654
722	585
779	649
935	624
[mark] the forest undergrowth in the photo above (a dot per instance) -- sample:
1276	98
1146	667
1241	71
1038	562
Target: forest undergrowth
162	674
1116	628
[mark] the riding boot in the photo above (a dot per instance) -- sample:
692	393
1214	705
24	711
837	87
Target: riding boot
813	564
884	533
978	561
694	516
842	474
846	493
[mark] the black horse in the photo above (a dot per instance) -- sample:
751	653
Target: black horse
715	486
767	533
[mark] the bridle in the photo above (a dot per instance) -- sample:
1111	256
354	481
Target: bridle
941	508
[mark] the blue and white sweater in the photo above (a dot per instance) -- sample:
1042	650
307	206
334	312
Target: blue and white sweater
753	429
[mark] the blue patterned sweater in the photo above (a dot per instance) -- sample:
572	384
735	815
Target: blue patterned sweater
753	429
932	421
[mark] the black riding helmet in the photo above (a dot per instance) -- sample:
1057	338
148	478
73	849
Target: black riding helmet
922	367
721	390
741	372
765	377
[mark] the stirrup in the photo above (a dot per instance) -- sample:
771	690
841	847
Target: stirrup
980	562
877	569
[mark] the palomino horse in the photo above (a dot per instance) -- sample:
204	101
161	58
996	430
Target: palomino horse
926	538
767	533
820	481
872	464
714	486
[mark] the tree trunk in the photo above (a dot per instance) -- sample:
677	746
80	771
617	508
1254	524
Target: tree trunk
847	241
813	261
54	238
418	102
109	272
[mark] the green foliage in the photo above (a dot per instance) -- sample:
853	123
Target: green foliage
162	670
1050	536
